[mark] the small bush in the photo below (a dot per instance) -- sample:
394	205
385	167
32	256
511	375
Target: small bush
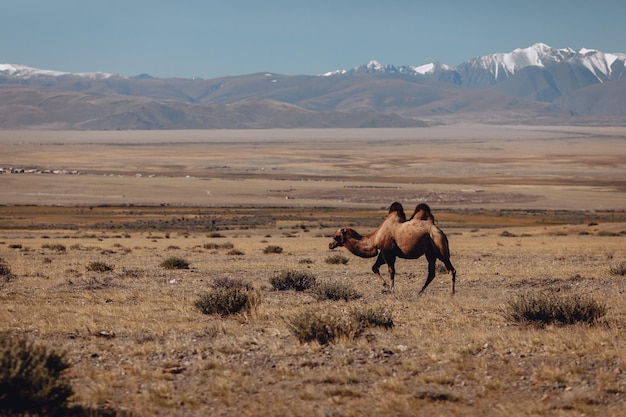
235	252
174	262
226	282
606	233
325	327
292	280
31	379
322	327
545	308
5	271
377	317
15	246
213	245
272	249
226	301
618	268
98	266
336	259
506	233
335	291
57	247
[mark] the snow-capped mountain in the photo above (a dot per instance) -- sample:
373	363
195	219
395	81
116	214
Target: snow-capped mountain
374	67
500	66
25	72
525	85
538	72
491	69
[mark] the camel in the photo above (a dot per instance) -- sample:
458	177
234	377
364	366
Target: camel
398	238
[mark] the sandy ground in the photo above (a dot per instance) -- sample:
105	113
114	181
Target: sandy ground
470	166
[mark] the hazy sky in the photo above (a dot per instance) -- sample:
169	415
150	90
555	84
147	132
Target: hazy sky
213	38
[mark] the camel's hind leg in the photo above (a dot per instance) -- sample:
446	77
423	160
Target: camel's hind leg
376	269
432	259
440	245
451	270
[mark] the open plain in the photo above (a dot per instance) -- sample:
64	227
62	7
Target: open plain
527	210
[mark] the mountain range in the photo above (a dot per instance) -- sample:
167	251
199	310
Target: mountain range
536	85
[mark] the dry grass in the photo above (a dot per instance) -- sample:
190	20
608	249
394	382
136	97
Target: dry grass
82	274
135	341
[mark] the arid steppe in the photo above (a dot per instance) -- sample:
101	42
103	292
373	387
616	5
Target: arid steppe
527	210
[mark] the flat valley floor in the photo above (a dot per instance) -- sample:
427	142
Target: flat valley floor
527	210
465	166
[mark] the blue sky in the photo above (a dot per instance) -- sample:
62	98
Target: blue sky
213	38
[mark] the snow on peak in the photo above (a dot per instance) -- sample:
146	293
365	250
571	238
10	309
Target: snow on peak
541	55
23	71
336	72
511	62
425	69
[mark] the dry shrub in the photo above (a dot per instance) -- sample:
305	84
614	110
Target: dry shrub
174	262
547	308
31	379
336	259
213	245
98	266
322	327
5	271
273	249
292	280
326	327
618	268
57	247
373	317
226	301
227	283
335	291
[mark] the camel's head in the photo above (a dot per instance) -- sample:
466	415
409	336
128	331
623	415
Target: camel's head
339	239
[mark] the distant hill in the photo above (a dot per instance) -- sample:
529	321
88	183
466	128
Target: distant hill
538	84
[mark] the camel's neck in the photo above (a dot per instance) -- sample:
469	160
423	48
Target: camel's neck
363	246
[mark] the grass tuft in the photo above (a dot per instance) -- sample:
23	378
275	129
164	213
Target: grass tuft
57	247
273	249
292	280
335	291
326	327
618	269
373	317
213	245
227	301
228	283
98	266
337	259
174	262
5	271
322	327
31	379
547	308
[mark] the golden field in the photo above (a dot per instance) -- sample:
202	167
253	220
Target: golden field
526	210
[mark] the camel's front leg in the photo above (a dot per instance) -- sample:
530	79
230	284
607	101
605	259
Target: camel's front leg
391	264
376	269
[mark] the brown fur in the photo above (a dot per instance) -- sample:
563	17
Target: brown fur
396	238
